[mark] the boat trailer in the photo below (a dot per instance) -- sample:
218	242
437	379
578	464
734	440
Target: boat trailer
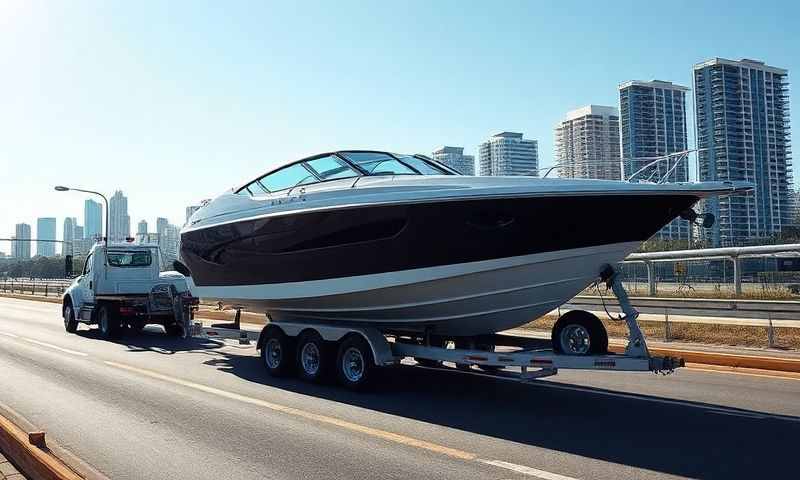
308	349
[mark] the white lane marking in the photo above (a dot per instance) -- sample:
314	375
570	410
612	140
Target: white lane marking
533	472
9	334
56	347
374	432
666	401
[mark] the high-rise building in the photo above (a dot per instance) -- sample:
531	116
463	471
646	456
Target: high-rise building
46	230
161	225
742	110
507	153
454	158
119	222
70	223
190	211
78	233
141	227
587	143
653	125
92	219
22	246
169	243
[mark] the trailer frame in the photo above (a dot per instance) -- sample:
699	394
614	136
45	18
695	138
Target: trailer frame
532	359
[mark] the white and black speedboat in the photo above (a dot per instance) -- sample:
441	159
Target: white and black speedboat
407	244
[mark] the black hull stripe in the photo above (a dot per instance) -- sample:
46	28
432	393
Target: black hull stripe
386	238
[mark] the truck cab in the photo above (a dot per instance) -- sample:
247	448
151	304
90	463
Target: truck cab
122	285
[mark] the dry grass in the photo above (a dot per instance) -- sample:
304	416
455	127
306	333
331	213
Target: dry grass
725	335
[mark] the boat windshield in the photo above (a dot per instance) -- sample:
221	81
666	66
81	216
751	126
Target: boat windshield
377	163
344	164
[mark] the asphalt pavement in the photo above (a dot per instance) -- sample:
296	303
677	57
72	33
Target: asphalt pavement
150	406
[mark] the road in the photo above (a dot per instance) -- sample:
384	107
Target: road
148	406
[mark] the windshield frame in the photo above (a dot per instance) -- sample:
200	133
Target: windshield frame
341	154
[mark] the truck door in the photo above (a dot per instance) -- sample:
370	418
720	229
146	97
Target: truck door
86	284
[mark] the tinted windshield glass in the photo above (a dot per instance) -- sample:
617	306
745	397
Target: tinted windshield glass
288	177
421	165
331	167
376	163
130	259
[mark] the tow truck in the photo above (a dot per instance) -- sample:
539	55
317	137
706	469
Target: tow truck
122	287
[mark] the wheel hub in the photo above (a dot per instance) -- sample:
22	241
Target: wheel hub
353	364
575	340
274	354
309	358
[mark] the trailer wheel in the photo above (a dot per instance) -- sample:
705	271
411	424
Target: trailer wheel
313	357
277	352
70	324
109	325
355	365
578	332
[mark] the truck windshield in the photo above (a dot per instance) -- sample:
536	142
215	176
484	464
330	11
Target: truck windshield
130	259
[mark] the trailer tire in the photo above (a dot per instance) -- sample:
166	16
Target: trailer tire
70	323
277	352
314	359
578	332
355	364
108	322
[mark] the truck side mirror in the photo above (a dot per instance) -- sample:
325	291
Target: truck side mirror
68	266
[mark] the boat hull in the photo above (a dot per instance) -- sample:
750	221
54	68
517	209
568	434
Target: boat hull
459	300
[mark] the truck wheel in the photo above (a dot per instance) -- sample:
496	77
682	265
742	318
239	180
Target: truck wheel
277	352
355	365
579	333
70	324
109	325
173	330
313	357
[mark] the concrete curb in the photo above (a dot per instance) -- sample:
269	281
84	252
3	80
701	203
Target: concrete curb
724	359
35	462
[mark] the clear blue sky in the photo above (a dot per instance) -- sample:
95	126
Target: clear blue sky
176	101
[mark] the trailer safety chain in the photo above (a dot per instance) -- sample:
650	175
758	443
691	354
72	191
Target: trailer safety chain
603	300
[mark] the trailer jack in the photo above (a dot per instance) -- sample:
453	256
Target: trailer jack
637	346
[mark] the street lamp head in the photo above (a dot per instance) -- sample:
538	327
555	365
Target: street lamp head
59	188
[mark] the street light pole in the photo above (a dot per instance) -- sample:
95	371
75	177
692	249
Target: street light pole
105	200
61	188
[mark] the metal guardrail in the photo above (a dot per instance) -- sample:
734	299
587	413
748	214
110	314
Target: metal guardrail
53	288
732	254
752	313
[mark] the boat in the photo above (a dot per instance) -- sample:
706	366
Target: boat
405	244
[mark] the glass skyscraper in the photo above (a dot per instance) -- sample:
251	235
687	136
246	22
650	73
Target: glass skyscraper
652	125
92	219
46	230
742	110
